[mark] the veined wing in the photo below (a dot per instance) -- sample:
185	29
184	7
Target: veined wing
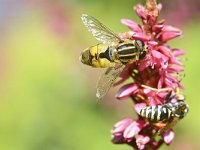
99	30
107	79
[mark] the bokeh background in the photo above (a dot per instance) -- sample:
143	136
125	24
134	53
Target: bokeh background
47	97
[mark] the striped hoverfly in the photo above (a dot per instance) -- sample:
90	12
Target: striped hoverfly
167	115
113	53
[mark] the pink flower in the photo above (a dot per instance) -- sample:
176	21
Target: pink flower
141	141
155	77
168	137
125	130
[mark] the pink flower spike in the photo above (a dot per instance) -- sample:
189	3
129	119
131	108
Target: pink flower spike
133	129
141	36
168	136
131	25
121	125
137	107
141	141
126	91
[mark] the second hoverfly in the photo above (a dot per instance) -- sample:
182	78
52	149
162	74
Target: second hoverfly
112	53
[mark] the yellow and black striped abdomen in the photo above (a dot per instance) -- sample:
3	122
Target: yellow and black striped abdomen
126	52
156	113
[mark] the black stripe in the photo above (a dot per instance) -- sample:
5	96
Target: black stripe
164	115
144	112
127	51
90	57
156	113
124	46
106	55
149	113
126	57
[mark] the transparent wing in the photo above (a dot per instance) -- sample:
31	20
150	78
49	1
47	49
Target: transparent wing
99	30
107	79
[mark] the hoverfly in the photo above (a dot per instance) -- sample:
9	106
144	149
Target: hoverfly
168	114
113	53
165	112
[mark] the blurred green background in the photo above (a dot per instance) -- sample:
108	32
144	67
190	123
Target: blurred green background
47	97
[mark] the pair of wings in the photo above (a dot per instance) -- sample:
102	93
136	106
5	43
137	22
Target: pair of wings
103	35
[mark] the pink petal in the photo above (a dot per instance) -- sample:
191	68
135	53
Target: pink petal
169	28
165	50
156	54
157	28
181	85
140	10
121	125
141	36
154	101
133	129
168	137
178	52
163	94
159	7
131	25
174	69
164	62
145	63
166	36
141	141
137	107
118	139
148	91
174	60
126	91
171	77
152	43
160	82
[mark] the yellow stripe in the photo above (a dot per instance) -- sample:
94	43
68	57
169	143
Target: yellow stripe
152	112
122	49
159	112
148	111
133	54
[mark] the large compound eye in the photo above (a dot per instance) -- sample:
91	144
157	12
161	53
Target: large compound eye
142	55
140	44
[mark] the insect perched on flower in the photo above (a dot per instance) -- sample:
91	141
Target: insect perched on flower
113	53
167	111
